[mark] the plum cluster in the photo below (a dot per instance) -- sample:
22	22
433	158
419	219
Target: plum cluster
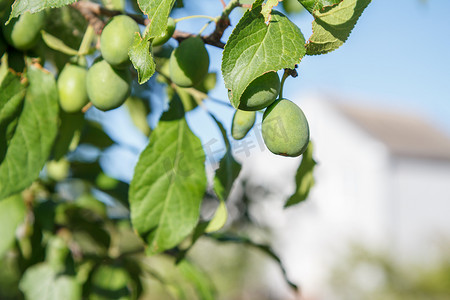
284	127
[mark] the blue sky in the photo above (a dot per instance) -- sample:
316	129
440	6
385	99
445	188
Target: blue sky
396	56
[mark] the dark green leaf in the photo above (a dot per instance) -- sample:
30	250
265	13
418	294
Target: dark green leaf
22	6
228	170
272	47
69	133
10	107
169	183
332	25
12	214
67	24
304	178
94	135
141	57
33	138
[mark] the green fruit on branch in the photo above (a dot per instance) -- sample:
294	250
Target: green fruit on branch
162	39
242	123
261	92
285	129
116	39
72	88
23	32
189	63
58	170
107	88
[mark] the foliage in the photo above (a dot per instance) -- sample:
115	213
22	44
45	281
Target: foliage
365	274
69	230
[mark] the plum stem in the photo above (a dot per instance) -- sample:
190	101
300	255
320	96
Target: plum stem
87	40
196	16
283	79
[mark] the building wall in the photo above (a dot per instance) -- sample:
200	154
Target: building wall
363	195
348	203
422	210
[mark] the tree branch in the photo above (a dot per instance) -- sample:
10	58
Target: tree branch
94	14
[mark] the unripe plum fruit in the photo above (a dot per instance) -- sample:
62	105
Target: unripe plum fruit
285	129
261	92
23	32
242	123
107	88
162	39
72	88
116	39
189	63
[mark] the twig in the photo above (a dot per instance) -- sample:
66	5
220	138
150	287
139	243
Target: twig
94	12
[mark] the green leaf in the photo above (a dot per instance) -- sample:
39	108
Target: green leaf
69	133
40	281
33	138
264	248
169	183
199	279
304	177
332	26
273	46
22	6
141	57
228	170
12	214
94	135
158	12
56	44
219	219
226	174
313	5
267	9
11	98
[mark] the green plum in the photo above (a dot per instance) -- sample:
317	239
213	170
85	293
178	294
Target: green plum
116	39
107	88
285	129
242	123
22	33
261	92
189	63
72	88
58	170
162	39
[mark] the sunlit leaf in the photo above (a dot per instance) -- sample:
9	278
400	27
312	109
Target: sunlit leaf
304	177
255	48
33	138
169	183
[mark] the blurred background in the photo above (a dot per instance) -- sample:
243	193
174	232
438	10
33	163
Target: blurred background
377	223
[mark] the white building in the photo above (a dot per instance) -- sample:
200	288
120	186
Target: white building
383	181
